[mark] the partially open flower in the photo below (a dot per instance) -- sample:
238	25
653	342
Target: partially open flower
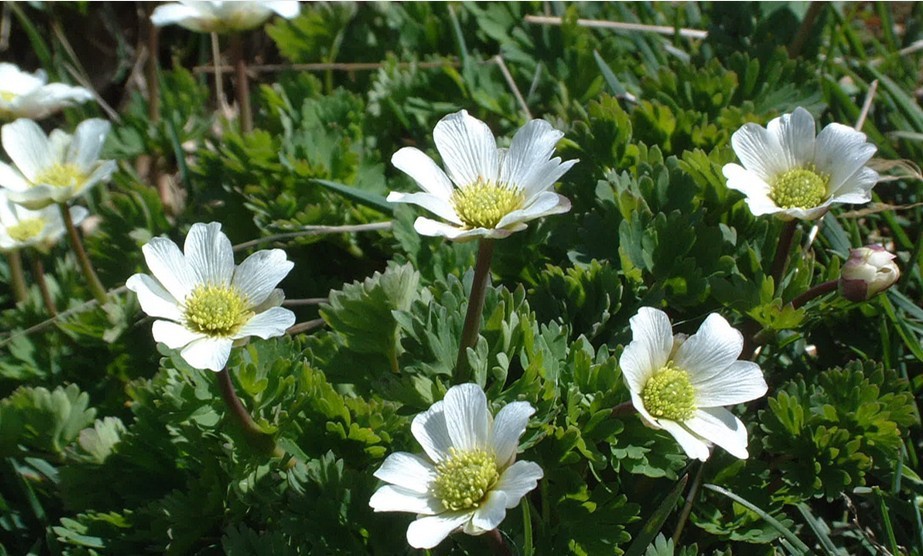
790	173
53	168
469	476
488	192
21	227
29	95
682	383
212	16
207	304
869	271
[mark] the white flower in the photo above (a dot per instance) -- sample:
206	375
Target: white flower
789	172
53	168
29	95
469	476
681	384
220	17
869	271
493	192
206	302
21	227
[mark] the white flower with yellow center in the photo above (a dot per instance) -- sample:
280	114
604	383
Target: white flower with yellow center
790	173
469	476
488	192
681	384
221	17
29	95
53	168
21	227
204	302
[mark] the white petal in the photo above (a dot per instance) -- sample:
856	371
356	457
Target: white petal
841	152
101	173
490	513
27	146
268	324
286	9
858	188
427	227
646	417
650	347
466	417
208	353
468	149
423	170
751	185
154	299
720	427
710	350
10	178
390	498
694	446
48	99
759	151
795	133
37	197
209	254
409	471
174	335
429	428
88	142
173	12
169	267
508	426
429	531
518	480
78	215
260	273
531	148
543	204
274	299
546	175
436	205
812	213
740	382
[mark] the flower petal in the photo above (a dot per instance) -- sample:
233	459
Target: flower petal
208	353
429	531
531	148
27	146
759	151
409	471
546	175
88	142
721	427
489	514
391	498
650	347
518	480
694	446
740	382
173	335
169	267
154	299
209	254
751	185
466	416
857	189
260	273
427	227
508	426
429	428
795	133
423	170
543	204
285	8
468	149
268	324
435	204
172	12
841	152
10	178
710	350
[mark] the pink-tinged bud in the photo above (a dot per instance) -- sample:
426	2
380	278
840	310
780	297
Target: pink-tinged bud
868	271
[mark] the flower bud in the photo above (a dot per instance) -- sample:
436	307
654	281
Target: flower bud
868	271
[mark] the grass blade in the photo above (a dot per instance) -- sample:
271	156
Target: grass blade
791	538
366	198
655	522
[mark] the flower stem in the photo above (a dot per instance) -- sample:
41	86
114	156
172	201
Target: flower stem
252	432
782	250
690	499
242	86
816	291
499	546
475	307
38	271
96	287
624	408
216	59
17	278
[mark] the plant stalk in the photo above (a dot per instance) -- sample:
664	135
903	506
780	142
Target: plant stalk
17	277
96	287
216	59
242	85
783	248
38	271
475	308
687	506
252	432
816	291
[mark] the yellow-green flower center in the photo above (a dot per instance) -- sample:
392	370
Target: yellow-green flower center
62	175
464	478
26	229
8	96
799	188
669	394
216	310
485	203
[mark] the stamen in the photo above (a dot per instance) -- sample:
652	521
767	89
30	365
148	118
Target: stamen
799	188
464	478
669	394
485	203
62	175
216	311
26	229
